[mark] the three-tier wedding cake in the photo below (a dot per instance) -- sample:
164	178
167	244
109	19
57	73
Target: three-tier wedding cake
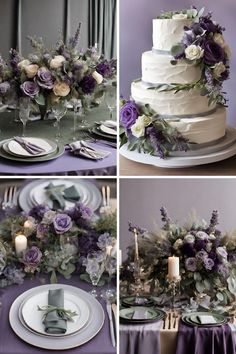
178	103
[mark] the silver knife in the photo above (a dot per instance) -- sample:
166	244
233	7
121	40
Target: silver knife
109	312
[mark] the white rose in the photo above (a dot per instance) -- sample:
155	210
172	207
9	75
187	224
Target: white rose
57	62
219	39
61	89
178	243
189	238
194	52
227	51
179	16
31	70
98	77
219	69
138	129
23	63
145	120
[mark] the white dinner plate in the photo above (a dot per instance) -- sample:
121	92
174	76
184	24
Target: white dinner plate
16	149
95	323
93	198
107	130
33	317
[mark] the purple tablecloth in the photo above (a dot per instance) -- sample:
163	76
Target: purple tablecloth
11	344
203	340
63	164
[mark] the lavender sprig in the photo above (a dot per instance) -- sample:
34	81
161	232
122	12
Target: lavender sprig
165	218
139	230
74	40
214	220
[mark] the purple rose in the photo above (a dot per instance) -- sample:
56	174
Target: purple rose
208	263
200	244
223	270
221	252
62	223
45	79
32	256
104	69
128	114
202	255
213	52
207	24
191	264
202	235
4	87
88	84
30	88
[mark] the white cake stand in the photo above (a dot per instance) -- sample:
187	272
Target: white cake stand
222	150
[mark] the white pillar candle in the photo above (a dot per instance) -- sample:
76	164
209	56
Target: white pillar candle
173	268
20	244
120	258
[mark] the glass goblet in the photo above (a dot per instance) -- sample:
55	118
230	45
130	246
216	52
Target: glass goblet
110	267
95	268
110	99
76	103
24	112
59	109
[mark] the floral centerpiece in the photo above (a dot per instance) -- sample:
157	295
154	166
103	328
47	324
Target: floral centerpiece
57	242
60	73
207	257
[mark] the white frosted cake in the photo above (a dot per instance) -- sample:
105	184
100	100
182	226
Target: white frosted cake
181	83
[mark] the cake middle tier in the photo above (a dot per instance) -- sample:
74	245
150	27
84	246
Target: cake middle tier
157	69
169	103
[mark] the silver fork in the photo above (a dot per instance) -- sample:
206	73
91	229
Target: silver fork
10	197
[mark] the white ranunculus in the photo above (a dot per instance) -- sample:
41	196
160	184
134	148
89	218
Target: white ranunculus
23	63
178	243
219	69
138	129
98	77
189	238
57	62
31	70
194	52
145	120
179	16
219	39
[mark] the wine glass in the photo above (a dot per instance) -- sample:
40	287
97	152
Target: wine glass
110	99
59	109
76	103
95	268
110	267
24	112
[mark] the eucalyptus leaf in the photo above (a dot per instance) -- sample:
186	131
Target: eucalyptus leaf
53	278
177	49
200	286
232	284
40	99
197	276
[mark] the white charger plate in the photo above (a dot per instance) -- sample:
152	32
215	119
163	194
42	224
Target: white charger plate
16	149
33	318
107	130
93	200
94	325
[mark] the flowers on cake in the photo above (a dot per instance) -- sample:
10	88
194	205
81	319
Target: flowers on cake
146	132
203	44
207	257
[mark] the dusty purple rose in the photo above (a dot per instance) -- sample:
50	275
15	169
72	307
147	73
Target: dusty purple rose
201	235
202	255
4	87
88	84
104	69
208	263
128	114
62	223
207	24
45	79
191	264
223	270
30	88
32	256
213	52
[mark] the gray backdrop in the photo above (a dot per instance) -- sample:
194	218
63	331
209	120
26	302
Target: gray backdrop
141	199
46	18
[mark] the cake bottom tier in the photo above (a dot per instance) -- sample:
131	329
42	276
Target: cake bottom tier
202	130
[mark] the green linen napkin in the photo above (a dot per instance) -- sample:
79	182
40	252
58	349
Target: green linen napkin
54	324
59	194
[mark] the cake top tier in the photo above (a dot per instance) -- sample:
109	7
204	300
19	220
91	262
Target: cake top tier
168	32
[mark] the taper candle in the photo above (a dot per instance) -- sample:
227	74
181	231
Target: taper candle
120	258
136	243
20	244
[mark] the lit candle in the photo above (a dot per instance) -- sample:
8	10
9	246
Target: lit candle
120	258
173	268
20	244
